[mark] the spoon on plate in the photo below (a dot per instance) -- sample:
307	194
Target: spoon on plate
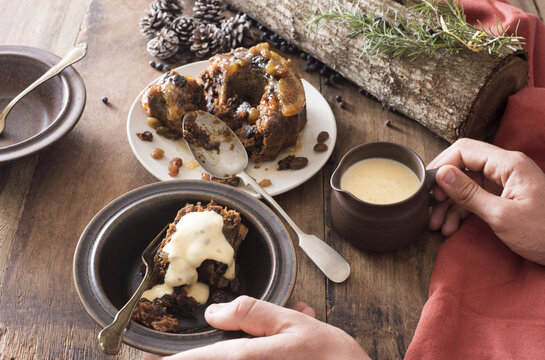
74	55
219	151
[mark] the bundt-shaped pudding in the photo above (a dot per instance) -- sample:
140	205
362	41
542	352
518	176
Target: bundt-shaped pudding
194	265
169	99
257	93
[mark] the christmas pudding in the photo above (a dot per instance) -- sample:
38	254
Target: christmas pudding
254	91
169	99
257	93
194	265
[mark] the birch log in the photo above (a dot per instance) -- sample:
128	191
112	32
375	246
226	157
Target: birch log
454	96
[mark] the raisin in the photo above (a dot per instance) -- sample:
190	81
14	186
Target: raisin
145	136
173	170
284	163
298	163
177	161
233	181
320	147
154	122
179	80
322	136
157	153
167	132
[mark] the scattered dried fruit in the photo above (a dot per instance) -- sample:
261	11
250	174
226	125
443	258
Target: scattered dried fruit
232	181
320	147
322	136
154	122
173	170
177	161
145	136
284	164
157	153
292	162
298	163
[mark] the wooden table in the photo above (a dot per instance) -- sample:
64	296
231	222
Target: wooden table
47	199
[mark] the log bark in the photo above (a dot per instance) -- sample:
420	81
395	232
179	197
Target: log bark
459	95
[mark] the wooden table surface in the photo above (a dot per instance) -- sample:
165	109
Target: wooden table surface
47	199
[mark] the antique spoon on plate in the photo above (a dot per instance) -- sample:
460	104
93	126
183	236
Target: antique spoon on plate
219	151
74	55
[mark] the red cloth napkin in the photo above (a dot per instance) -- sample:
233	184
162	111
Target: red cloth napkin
486	302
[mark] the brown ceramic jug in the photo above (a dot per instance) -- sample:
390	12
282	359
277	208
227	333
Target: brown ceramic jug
381	227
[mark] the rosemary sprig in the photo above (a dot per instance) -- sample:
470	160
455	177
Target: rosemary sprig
441	27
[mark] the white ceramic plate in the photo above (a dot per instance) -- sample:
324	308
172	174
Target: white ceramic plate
319	118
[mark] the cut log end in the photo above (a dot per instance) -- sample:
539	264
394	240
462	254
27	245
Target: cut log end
507	78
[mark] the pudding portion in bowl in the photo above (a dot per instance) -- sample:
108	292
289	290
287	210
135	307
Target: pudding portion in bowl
194	265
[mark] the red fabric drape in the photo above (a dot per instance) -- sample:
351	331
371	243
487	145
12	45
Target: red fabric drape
486	302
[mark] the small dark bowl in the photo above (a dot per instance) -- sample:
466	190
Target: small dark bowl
46	113
107	259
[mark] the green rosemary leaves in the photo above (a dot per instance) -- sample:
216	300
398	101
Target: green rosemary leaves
438	26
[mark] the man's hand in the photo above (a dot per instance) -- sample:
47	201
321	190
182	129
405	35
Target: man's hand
280	334
504	188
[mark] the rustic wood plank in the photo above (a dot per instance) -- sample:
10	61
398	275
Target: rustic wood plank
380	304
27	23
304	204
65	184
57	36
44	318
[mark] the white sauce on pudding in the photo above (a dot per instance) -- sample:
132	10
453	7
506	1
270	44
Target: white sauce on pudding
198	291
198	237
380	180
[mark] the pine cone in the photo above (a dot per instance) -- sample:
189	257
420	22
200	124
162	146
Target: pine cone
151	25
234	30
164	45
208	11
172	7
206	40
184	27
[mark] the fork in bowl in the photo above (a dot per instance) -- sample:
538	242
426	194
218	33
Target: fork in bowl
109	339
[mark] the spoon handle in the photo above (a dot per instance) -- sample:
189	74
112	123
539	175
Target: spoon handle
332	264
109	339
75	54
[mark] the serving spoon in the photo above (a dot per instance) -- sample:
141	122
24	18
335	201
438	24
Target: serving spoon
74	55
219	151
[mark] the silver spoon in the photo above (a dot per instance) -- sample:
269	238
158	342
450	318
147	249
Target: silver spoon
233	159
74	55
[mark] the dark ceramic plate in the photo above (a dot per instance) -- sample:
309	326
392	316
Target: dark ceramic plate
107	259
45	114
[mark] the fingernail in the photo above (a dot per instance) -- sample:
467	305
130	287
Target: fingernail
449	177
214	308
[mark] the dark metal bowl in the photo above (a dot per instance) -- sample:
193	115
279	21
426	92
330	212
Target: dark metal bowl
107	259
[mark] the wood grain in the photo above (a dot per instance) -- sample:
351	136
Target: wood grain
46	200
36	30
428	89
